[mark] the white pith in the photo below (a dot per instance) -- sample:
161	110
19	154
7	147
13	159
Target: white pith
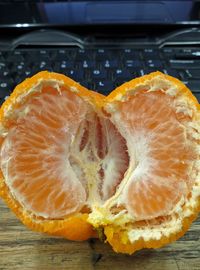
101	209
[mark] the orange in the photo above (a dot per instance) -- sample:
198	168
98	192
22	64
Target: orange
75	163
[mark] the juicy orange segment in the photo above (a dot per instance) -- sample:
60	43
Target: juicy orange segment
37	150
73	160
162	154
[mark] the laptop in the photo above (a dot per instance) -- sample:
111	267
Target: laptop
100	44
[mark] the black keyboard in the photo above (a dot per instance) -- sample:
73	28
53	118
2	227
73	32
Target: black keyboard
100	69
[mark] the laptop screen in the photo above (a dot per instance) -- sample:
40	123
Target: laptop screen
73	12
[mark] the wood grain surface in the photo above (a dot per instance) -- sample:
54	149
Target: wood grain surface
23	249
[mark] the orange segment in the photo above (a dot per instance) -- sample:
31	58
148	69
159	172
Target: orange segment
35	155
162	154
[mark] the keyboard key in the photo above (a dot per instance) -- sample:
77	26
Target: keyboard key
154	63
121	73
70	52
6	87
171	72
63	65
141	72
193	85
18	52
185	50
86	64
104	87
42	55
188	54
168	51
197	95
22	74
193	73
18	67
77	75
82	55
151	54
2	66
43	52
98	74
62	54
4	73
42	65
130	54
133	63
109	64
184	64
28	72
104	54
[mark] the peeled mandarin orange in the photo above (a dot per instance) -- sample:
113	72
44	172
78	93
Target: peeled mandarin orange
75	163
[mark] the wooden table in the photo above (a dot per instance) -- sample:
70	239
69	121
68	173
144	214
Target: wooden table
23	249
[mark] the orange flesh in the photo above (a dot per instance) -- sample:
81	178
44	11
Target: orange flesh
45	154
60	134
163	156
37	155
141	155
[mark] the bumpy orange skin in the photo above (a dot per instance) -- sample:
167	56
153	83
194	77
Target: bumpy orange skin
76	226
115	237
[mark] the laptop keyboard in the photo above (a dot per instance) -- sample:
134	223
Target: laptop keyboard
100	69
